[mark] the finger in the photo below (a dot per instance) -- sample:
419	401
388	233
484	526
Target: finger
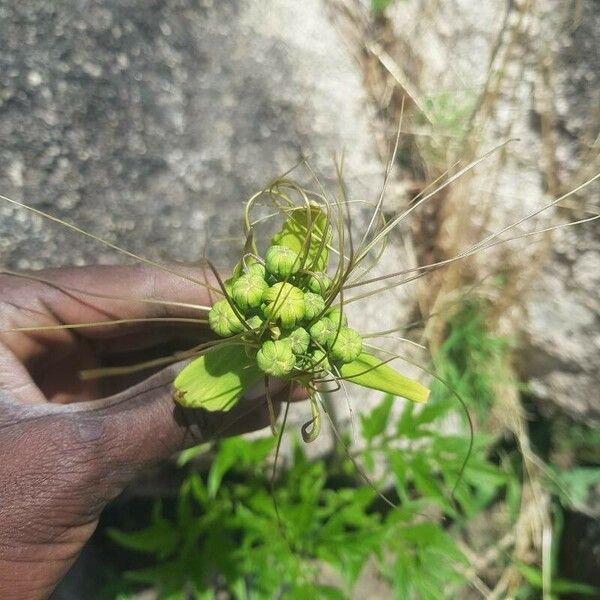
79	294
15	379
143	424
66	296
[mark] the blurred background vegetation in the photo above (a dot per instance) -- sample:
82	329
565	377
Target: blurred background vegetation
149	123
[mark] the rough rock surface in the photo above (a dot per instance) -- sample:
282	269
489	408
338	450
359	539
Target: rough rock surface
149	123
545	91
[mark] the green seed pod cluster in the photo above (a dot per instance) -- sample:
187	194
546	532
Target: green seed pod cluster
345	345
248	291
299	340
282	262
223	320
314	306
322	332
284	302
280	309
276	358
319	283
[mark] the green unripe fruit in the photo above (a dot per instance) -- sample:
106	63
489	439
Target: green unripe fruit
282	261
257	269
319	283
347	345
298	340
248	291
314	305
223	320
284	302
337	316
322	331
276	358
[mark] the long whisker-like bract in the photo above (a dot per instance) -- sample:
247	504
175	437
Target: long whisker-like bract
108	244
69	288
422	270
111	322
409	210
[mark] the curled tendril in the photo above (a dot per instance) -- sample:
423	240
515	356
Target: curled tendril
311	429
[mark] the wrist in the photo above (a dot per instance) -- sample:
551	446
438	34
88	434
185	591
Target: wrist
46	513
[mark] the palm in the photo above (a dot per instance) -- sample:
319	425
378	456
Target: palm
65	457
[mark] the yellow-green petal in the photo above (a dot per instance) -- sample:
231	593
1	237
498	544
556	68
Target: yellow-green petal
369	371
216	380
310	241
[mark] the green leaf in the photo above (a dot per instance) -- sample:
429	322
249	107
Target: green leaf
307	227
185	456
574	484
374	423
160	538
216	380
367	370
533	575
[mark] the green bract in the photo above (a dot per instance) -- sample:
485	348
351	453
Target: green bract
284	303
289	313
210	382
276	358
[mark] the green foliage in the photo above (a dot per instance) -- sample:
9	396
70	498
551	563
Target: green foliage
234	531
378	6
573	486
449	114
470	361
533	577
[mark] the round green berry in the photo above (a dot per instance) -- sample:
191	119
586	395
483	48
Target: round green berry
322	331
299	340
337	316
346	345
248	291
282	261
314	305
276	358
223	320
257	269
285	303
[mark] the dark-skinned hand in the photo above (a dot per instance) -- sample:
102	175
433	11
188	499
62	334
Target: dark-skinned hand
65	453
